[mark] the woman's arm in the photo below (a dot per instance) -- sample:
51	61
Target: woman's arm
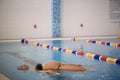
52	72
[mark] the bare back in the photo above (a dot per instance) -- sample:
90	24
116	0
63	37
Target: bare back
64	67
51	65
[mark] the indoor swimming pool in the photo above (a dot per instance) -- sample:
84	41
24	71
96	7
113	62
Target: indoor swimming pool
13	54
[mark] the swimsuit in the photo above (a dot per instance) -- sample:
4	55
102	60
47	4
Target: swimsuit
58	68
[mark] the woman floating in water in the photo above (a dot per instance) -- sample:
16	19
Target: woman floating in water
53	67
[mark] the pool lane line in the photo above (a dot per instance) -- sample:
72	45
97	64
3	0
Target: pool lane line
68	51
25	59
103	58
99	42
3	77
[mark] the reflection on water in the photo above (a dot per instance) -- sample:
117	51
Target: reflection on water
56	55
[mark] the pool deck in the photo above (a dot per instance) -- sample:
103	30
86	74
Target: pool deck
3	77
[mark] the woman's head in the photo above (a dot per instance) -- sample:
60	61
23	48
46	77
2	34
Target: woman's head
39	67
23	67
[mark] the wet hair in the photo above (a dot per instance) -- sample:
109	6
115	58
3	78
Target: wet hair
39	67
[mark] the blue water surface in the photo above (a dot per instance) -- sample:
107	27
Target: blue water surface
14	54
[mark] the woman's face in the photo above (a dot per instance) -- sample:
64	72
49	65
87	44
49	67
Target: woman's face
24	67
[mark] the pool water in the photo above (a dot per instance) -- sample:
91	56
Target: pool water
14	54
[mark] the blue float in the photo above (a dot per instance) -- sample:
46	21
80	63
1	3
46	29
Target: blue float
38	44
48	46
108	43
97	57
22	41
74	52
118	61
60	49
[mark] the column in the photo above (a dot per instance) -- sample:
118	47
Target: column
56	33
